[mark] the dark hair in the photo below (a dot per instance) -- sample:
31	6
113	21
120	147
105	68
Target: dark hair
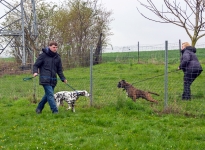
53	43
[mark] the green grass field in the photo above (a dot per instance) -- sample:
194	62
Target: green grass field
113	121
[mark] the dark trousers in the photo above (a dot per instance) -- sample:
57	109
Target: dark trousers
188	80
48	97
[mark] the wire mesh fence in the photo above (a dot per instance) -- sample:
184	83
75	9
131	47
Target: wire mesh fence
142	66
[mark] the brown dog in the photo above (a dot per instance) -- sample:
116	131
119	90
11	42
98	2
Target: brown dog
135	93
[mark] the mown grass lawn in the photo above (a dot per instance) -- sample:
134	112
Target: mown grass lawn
124	125
113	122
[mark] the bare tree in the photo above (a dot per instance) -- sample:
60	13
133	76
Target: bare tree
78	25
187	14
97	54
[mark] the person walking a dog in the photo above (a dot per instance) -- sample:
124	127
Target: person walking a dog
191	68
49	65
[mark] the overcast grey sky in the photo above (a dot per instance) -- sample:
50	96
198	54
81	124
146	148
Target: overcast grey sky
129	26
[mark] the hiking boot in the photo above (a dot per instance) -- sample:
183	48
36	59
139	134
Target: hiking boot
186	98
38	111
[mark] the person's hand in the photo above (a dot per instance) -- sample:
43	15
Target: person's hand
35	74
65	81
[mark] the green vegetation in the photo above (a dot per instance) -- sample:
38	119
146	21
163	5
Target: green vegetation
9	59
148	56
113	121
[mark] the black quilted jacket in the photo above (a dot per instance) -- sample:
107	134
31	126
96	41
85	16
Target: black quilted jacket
189	61
49	65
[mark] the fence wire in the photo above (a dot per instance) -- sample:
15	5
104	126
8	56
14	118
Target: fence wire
13	87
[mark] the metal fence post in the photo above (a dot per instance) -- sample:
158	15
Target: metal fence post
91	75
180	48
138	49
23	36
35	79
166	75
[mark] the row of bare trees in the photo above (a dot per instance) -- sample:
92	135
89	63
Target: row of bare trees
75	24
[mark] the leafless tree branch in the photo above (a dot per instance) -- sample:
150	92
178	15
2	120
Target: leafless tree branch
187	14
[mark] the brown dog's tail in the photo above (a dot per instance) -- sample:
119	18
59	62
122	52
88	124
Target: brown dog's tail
153	93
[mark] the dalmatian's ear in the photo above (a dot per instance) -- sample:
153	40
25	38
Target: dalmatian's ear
82	93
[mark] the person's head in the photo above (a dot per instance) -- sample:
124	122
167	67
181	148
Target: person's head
184	45
53	46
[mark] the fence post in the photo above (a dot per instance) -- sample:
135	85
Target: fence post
34	90
180	48
138	49
91	75
166	75
23	36
35	79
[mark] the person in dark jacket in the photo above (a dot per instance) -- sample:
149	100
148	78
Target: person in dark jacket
49	65
191	68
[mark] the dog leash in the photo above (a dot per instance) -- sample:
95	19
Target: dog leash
70	87
30	78
154	77
73	88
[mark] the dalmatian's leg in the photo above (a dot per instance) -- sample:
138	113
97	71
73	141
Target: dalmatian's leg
61	102
69	106
57	102
73	106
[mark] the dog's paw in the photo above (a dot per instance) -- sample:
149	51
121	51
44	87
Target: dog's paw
68	108
73	109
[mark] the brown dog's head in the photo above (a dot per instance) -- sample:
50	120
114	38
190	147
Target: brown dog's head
122	84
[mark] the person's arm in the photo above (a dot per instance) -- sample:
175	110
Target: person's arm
37	64
185	60
60	72
65	81
35	74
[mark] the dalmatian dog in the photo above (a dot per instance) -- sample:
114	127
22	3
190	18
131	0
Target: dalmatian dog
70	97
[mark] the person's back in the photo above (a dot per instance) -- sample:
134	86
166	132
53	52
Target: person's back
189	60
191	68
